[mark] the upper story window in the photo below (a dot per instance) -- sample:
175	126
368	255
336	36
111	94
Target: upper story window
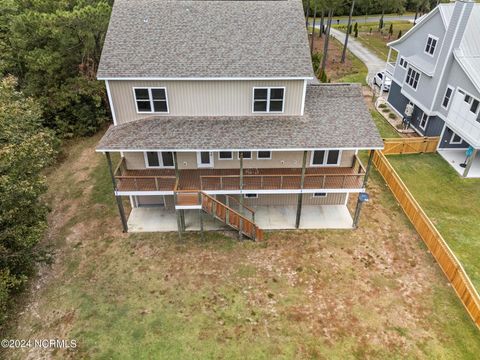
154	159
412	78
325	158
225	155
151	100
268	100
431	45
447	97
403	62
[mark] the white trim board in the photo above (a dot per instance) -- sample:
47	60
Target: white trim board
236	150
203	78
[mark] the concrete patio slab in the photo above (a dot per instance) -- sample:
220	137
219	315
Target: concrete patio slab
455	157
158	219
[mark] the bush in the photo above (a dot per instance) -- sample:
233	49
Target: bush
392	116
316	61
399	34
382	106
386	110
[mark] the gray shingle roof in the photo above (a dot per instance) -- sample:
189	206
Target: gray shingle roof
184	38
335	117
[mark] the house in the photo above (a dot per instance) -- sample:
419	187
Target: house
216	115
437	72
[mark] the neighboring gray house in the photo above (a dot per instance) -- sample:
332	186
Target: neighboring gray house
215	110
437	69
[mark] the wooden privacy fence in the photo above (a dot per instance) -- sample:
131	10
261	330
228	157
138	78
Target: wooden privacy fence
410	145
432	238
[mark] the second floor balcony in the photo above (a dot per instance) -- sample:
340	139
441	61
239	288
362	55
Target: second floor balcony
231	181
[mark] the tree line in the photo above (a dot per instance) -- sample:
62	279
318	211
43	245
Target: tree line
49	55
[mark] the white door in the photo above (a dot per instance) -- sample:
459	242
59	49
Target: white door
204	159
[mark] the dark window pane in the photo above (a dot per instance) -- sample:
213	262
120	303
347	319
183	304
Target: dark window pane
260	94
225	154
205	157
467	98
152	158
276	105
320	194
260	106
144	106
276	94
167	158
474	106
264	154
160	106
318	157
158	94
247	154
142	94
333	157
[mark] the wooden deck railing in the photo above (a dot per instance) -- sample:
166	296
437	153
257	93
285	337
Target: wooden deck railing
281	182
440	250
413	145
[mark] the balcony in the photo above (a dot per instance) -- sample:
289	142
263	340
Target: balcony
390	68
228	180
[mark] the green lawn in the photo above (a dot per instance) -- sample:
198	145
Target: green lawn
377	41
371	293
453	204
386	130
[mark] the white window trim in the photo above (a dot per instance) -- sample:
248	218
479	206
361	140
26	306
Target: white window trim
315	195
250	158
151	99
269	158
339	161
455	142
199	160
160	161
268	99
405	63
406	76
451	96
250	196
426	122
430	36
222	159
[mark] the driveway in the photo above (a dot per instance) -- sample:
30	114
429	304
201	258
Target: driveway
370	59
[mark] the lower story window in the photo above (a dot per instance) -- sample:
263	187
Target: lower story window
456	139
316	195
251	196
424	122
325	157
225	155
247	155
159	159
264	155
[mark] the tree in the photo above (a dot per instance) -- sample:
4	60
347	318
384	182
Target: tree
53	48
356	30
390	31
26	148
344	52
399	34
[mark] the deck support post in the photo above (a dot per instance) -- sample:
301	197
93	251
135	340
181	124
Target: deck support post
358	209
470	161
200	214
240	155
118	199
300	195
367	170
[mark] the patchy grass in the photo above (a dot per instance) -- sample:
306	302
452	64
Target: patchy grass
386	130
352	71
453	204
370	293
377	40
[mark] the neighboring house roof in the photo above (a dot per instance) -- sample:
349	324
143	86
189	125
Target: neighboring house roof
206	39
335	117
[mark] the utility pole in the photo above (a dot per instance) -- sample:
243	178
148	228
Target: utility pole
344	53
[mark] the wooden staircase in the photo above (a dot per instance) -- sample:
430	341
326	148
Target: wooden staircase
221	212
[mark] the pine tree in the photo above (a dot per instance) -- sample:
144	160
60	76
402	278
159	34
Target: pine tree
399	34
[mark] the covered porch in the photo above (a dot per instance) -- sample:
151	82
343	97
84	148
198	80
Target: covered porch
160	219
457	157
